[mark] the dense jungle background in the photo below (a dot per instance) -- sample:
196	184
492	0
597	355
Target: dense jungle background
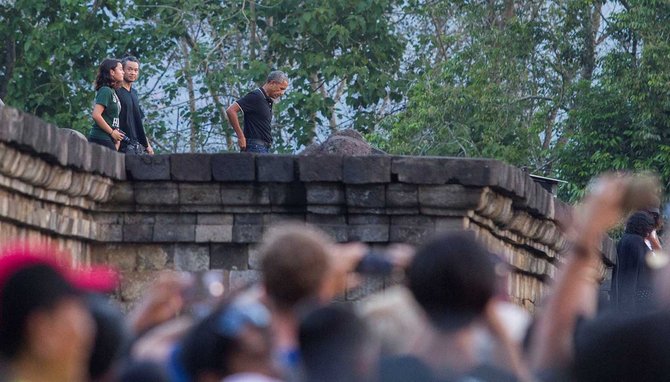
562	88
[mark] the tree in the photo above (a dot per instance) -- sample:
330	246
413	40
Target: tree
55	84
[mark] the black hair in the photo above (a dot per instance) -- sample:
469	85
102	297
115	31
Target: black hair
111	335
331	340
103	78
34	288
204	351
129	58
640	223
452	277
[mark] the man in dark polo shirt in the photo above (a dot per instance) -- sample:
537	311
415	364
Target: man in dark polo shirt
257	109
131	115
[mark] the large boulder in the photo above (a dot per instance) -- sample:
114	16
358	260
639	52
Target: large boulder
343	142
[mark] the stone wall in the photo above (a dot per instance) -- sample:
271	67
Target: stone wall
208	211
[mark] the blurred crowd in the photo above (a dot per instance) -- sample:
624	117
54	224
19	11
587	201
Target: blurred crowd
447	316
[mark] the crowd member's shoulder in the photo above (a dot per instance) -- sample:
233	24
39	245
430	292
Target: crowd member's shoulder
614	347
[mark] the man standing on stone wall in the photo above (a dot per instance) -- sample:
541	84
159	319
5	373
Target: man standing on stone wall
131	115
256	107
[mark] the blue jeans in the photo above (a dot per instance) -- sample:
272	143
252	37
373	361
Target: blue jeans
256	148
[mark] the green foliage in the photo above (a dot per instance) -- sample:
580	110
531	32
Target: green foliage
563	88
47	66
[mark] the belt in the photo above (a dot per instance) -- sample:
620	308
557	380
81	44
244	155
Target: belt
259	142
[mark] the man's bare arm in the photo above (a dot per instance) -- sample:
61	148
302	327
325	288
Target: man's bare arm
231	112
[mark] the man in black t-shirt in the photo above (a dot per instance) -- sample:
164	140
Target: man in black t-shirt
131	115
257	109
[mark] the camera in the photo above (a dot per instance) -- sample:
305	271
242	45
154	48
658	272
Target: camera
125	139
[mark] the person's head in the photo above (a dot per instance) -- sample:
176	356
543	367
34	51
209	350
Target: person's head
110	73
394	318
111	335
452	278
276	84
335	346
233	339
295	262
44	319
640	223
131	68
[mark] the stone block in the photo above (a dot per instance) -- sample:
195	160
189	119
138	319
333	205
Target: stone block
369	196
278	219
275	168
156	193
137	218
339	232
134	285
255	258
248	219
191	167
368	219
148	167
35	134
320	168
204	194
402	195
419	170
11	124
175	218
288	194
325	193
121	193
191	258
174	233
110	232
415	235
453	196
321	209
215	219
247	233
369	233
76	147
214	233
444	224
326	219
246	194
138	233
233	167
366	169
254	209
60	150
241	279
476	172
229	256
119	257
108	218
152	257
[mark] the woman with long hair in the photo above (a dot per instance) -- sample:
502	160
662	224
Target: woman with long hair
107	107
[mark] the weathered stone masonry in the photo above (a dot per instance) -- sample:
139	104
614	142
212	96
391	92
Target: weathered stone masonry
207	211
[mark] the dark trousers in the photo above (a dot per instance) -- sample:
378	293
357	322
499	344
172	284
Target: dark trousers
103	142
257	146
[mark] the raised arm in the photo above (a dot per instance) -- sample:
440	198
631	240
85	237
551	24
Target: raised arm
575	292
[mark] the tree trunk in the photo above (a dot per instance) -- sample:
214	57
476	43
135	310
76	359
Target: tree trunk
252	30
10	62
591	26
194	128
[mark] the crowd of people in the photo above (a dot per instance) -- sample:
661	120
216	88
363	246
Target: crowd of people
447	317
